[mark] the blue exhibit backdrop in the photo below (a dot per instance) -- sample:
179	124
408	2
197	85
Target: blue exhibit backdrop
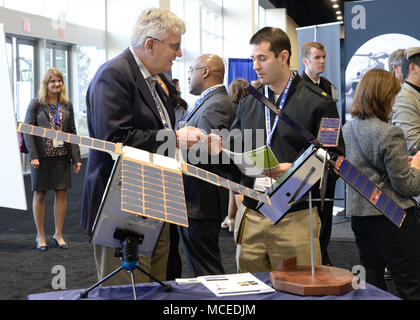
373	30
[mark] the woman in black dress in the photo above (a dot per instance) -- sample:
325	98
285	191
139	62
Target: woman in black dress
50	159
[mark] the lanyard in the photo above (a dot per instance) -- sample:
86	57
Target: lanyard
198	102
270	131
56	113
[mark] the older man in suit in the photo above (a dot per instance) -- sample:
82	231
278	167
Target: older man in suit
206	203
125	105
406	110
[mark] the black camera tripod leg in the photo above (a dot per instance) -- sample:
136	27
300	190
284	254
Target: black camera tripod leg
167	287
84	293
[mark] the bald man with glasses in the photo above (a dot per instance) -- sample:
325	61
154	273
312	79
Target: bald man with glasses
206	203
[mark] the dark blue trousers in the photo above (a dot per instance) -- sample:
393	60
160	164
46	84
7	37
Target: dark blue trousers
200	242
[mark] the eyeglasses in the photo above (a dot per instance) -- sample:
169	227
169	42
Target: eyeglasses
174	46
191	69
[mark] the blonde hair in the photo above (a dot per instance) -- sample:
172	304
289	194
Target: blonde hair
43	91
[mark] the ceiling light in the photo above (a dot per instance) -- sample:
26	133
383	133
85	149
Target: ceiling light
339	17
335	6
338	12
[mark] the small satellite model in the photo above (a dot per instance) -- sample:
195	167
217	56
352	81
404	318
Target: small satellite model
142	185
306	171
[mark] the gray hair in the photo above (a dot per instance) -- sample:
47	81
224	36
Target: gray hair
396	58
155	23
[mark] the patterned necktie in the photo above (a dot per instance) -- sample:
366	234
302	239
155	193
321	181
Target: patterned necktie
162	110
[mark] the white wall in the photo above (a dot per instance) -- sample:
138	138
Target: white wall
238	27
121	16
292	33
278	18
43	28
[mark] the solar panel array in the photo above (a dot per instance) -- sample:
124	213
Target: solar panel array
152	191
370	191
329	131
225	183
92	143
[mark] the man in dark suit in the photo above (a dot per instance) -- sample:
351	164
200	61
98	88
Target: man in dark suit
125	105
206	203
262	245
313	57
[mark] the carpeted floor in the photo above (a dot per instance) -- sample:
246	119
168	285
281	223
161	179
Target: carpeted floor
25	270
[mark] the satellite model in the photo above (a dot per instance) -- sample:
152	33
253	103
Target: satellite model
151	183
296	182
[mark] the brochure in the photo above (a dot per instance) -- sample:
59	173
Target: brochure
254	162
235	284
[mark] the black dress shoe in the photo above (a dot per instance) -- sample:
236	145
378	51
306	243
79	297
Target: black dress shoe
61	246
40	248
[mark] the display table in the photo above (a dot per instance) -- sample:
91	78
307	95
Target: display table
153	291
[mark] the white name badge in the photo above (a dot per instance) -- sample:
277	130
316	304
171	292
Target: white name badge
58	143
262	184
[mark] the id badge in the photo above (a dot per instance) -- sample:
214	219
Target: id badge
58	143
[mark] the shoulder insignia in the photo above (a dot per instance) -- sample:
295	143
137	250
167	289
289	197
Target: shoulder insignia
316	89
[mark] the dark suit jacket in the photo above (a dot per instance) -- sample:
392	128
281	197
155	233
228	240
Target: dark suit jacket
306	105
324	83
205	200
120	108
38	116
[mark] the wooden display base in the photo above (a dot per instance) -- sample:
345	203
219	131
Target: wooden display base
298	279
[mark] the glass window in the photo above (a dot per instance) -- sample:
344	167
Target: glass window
88	61
49	61
9	49
57	56
24	86
212	33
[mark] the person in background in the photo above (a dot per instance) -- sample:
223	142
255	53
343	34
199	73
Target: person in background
313	56
51	159
174	267
395	63
175	83
174	95
236	92
406	110
262	245
378	149
206	203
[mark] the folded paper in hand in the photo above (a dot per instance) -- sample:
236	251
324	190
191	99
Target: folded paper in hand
253	163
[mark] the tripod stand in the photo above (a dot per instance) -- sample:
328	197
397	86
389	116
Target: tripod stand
129	261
